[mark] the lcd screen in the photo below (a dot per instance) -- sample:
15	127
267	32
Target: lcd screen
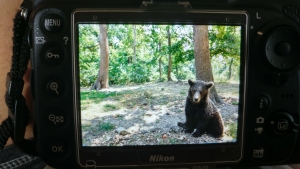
134	83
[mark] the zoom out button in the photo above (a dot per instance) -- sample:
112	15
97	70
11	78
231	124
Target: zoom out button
56	118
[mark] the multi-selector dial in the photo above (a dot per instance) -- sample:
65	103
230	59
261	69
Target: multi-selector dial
282	48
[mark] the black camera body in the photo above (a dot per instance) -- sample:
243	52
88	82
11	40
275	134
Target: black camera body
269	82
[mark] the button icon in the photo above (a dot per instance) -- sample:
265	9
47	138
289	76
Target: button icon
259	130
53	23
56	119
66	39
283	125
258	152
260	120
40	40
50	55
54	56
55	88
58	148
261	103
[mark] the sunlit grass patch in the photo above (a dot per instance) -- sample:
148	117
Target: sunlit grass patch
86	126
232	130
92	95
110	107
105	126
235	103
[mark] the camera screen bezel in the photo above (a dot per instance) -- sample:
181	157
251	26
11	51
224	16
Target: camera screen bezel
93	155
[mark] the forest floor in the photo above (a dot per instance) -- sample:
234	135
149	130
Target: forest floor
147	114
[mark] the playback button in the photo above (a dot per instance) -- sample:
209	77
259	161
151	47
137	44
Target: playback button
54	56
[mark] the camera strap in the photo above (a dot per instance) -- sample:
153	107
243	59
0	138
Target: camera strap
15	125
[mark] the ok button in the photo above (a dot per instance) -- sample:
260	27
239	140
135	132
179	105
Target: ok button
58	148
55	88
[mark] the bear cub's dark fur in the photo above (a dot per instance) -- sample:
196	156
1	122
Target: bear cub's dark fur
201	113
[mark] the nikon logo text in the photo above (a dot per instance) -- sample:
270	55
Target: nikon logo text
160	158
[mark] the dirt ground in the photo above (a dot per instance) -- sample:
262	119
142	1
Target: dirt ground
148	114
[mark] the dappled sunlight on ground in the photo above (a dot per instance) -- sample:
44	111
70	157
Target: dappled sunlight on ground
148	114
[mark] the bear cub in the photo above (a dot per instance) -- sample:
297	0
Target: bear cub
200	112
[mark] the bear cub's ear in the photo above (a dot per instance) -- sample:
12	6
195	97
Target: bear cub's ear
209	84
191	83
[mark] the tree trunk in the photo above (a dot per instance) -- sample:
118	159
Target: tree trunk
176	66
160	69
202	59
160	62
102	78
170	56
134	43
230	69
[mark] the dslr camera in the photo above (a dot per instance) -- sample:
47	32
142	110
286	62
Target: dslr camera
112	88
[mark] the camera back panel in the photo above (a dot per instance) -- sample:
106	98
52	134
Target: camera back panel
268	107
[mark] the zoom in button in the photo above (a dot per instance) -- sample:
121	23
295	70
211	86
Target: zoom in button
55	88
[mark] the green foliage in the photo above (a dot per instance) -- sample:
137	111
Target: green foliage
235	103
110	107
105	126
232	130
87	95
225	42
88	53
127	73
86	126
174	141
136	59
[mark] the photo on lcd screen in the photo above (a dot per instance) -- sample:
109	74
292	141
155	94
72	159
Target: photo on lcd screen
138	84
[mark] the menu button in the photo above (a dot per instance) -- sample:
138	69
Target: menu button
53	23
